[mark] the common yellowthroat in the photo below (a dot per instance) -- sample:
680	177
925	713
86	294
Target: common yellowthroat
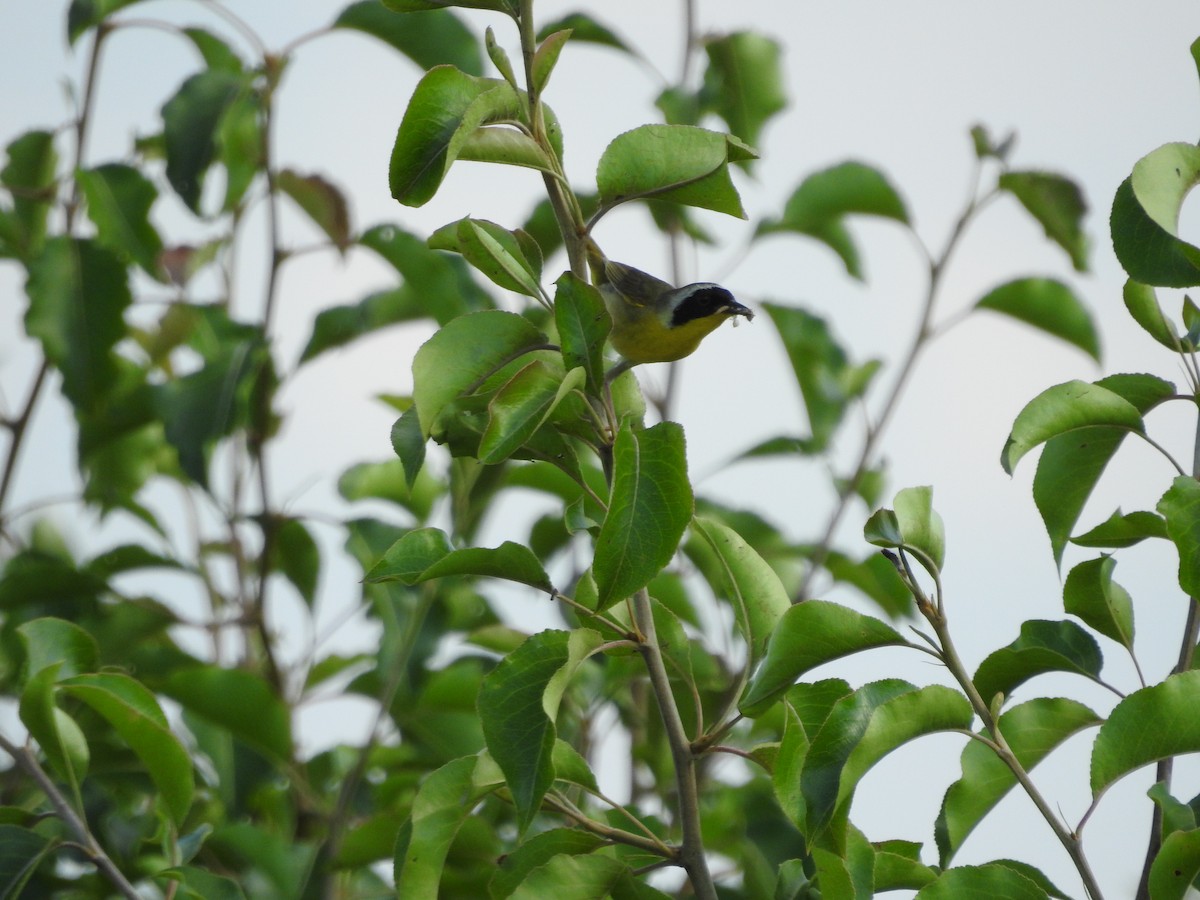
654	321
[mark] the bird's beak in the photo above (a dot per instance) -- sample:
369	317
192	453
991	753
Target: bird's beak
733	308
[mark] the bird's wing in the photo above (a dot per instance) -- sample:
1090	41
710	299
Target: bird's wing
637	287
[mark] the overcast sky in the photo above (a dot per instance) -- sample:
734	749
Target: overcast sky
1088	86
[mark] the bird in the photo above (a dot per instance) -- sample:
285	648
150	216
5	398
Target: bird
652	320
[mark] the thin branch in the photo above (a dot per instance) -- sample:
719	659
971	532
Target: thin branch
25	758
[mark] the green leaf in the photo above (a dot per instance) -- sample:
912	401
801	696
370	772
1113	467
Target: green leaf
87	14
537	851
462	354
216	52
819	206
1142	303
914	525
518	702
896	868
1145	218
388	481
443	802
1176	866
876	577
200	884
21	852
1032	730
650	506
592	877
758	596
583	325
299	558
1180	506
1058	205
493	250
119	198
1148	725
30	176
521	406
1123	530
78	293
505	6
446	110
61	739
428	38
200	408
744	82
1042	646
1064	408
990	880
409	444
236	700
135	715
546	57
864	728
680	163
191	121
425	553
49	641
1049	305
1091	594
1071	464
584	27
322	201
823	372
809	634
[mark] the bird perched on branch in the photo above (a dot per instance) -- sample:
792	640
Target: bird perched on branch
652	320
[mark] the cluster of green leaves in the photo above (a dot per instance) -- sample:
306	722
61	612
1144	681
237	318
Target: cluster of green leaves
489	789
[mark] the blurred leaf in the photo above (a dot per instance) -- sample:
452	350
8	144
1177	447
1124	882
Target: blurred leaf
1148	725
240	145
78	293
21	852
29	176
49	641
585	28
442	282
744	82
119	198
135	715
759	599
1049	305
1071	463
200	884
1042	647
585	876
1058	205
236	700
876	577
425	553
86	14
1145	218
409	444
810	634
428	38
1176	866
191	120
680	163
1064	408
299	558
1092	595
518	703
388	481
650	506
216	53
1032	730
821	367
1123	530
818	208
462	354
56	733
337	326
198	409
445	799
989	880
504	6
1180	506
322	201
